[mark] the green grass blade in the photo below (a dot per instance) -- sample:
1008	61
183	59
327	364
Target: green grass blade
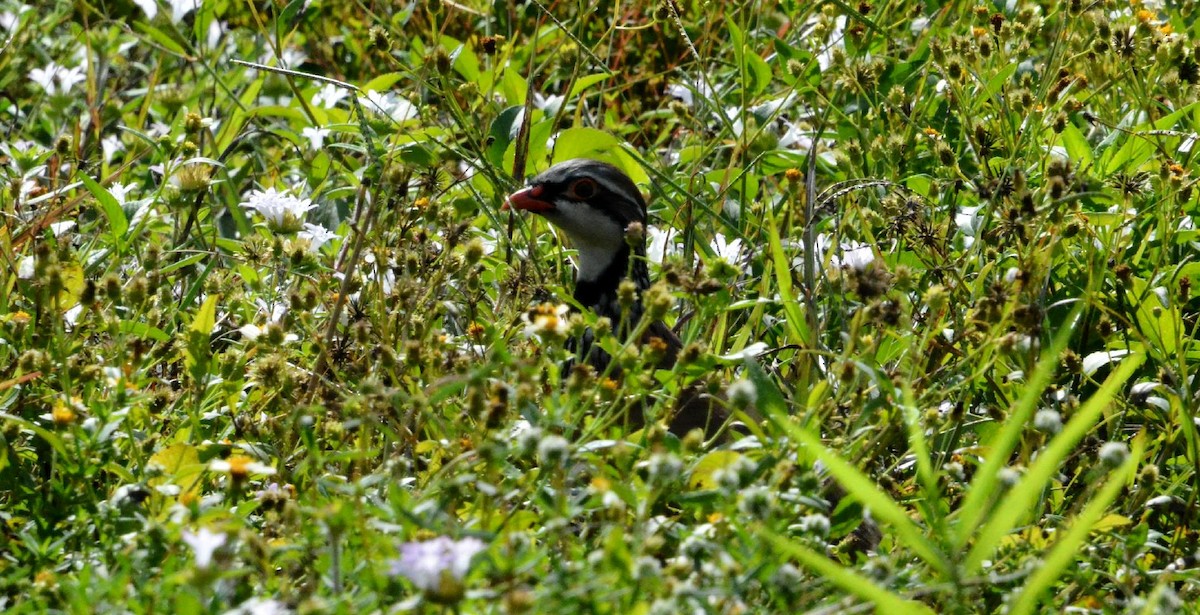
1023	497
849	580
856	483
926	475
796	323
1067	549
983	488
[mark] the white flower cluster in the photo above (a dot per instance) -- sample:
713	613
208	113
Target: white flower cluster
56	79
284	213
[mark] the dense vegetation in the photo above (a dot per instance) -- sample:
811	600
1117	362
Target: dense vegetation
268	341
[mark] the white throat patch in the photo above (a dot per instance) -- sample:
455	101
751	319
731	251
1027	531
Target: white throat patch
596	237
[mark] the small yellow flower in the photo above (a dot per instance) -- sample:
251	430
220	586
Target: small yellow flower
45	580
62	414
239	467
546	320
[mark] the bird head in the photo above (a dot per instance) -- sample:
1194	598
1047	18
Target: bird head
592	203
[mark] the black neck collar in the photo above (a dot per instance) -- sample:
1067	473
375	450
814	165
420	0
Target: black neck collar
600	294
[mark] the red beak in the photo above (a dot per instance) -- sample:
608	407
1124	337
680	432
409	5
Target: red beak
528	199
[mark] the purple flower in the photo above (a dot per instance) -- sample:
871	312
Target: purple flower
437	567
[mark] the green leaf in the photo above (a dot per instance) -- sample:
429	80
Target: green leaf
796	323
994	85
597	145
117	223
586	82
1078	149
159	37
142	329
46	435
1159	323
382	83
231	129
198	352
769	395
539	134
501	133
181	465
180	264
206	317
702	474
288	15
513	86
1138	148
463	58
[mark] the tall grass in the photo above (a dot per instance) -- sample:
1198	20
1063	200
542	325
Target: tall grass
939	257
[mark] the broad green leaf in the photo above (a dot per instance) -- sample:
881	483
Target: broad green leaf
702	474
539	134
180	464
117	223
464	60
72	280
513	86
586	82
759	73
1078	149
501	134
382	83
206	316
159	37
597	145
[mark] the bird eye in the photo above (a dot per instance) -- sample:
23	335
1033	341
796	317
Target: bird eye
584	189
